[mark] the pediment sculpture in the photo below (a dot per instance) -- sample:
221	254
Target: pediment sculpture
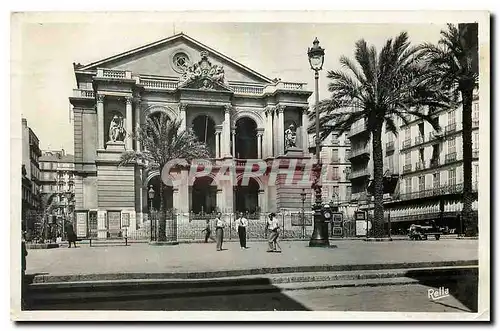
203	74
116	129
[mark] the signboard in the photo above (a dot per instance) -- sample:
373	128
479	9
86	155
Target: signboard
81	224
125	220
360	216
337	222
361	227
114	222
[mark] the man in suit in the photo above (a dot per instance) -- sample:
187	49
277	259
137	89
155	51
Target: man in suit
242	224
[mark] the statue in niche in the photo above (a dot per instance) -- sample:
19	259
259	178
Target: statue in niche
291	136
116	130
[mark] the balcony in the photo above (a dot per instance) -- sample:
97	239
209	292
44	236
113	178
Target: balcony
113	74
450	157
359	174
475	123
361	196
434	135
451	188
419	166
355	130
335	142
158	84
450	128
433	163
406	143
406	168
419	140
389	147
362	152
475	153
85	94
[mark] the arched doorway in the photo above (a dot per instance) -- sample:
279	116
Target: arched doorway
168	197
246	197
246	139
203	195
204	129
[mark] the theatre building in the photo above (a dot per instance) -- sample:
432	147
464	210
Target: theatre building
239	113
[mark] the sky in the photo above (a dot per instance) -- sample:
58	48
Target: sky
48	49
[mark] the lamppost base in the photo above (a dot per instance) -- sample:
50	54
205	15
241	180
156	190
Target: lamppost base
319	237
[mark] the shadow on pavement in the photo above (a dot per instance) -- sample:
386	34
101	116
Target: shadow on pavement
251	294
461	283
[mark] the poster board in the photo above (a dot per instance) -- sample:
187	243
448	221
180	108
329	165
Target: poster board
81	224
337	224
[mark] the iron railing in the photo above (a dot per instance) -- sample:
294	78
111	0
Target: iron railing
450	157
407	143
450	128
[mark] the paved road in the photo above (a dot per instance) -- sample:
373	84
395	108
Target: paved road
401	298
204	257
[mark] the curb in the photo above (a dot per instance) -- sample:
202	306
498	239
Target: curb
246	272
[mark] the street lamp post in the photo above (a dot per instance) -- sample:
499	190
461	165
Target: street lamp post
151	195
303	196
319	238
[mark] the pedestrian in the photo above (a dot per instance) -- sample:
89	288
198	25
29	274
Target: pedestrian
219	231
70	233
208	232
242	224
273	227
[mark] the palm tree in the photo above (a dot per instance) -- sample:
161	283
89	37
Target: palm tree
48	203
454	61
162	141
378	89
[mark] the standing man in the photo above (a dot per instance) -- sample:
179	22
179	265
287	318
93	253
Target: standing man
242	224
273	227
70	233
219	230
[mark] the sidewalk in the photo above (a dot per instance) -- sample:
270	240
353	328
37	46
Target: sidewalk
192	260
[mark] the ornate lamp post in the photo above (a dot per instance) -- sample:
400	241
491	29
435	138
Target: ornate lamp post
319	237
151	196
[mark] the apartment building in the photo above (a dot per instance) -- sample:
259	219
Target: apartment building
431	170
30	180
429	165
57	177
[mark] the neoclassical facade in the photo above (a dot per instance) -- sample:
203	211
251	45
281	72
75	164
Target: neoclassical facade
240	114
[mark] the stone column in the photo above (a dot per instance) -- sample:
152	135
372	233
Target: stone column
281	133
233	135
260	132
128	122
262	201
226	132
138	146
305	139
182	114
100	121
139	212
220	201
218	131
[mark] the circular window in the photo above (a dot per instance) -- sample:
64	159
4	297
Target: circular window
181	61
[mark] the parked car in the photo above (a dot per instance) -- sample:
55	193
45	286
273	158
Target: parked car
421	232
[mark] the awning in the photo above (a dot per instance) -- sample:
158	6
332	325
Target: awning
425	211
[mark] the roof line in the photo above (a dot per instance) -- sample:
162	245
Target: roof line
165	40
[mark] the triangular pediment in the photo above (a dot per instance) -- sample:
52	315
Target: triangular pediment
161	59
